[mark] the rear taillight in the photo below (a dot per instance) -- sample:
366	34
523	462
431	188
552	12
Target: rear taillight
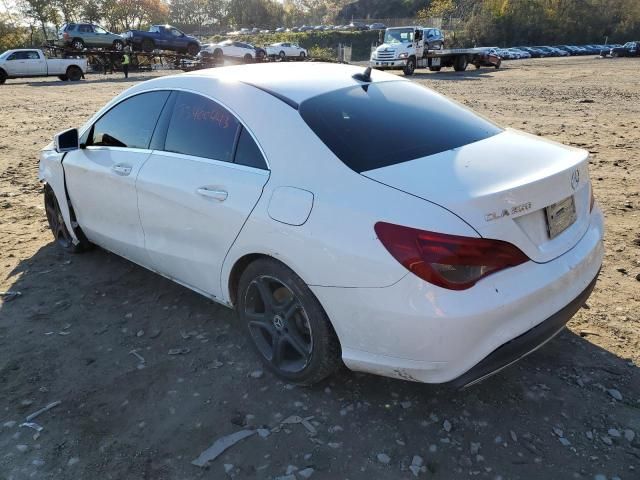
592	200
449	261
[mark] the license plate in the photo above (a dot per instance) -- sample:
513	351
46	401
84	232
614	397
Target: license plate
560	216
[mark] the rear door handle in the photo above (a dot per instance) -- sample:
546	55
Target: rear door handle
220	195
121	169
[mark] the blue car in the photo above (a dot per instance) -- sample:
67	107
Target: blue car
162	37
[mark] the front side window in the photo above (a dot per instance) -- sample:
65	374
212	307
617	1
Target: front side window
16	56
175	32
382	124
99	30
128	124
202	128
154	30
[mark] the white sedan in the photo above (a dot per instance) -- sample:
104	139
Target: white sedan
234	49
308	198
285	50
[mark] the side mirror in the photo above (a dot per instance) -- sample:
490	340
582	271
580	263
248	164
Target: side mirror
66	141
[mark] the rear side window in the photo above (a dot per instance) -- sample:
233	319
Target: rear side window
381	124
130	123
248	152
201	127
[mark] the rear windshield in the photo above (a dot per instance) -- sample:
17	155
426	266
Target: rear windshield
381	124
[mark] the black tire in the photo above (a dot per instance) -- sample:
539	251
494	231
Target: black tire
303	55
147	45
77	44
282	56
74	73
460	63
58	227
497	65
118	45
477	65
193	49
3	77
63	78
410	67
248	58
286	324
434	69
217	54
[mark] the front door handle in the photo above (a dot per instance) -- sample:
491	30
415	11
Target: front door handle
220	195
121	169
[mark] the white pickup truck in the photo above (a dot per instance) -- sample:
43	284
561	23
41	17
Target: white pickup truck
34	63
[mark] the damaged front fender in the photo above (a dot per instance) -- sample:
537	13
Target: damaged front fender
51	172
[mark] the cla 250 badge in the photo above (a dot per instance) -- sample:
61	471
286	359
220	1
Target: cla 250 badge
489	217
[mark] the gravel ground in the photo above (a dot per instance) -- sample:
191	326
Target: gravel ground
570	410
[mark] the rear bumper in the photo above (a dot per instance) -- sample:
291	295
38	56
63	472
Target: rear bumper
416	331
527	343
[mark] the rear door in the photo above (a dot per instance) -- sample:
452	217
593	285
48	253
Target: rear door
101	176
193	199
36	63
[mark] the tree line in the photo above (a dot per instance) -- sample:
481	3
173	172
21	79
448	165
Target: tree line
469	22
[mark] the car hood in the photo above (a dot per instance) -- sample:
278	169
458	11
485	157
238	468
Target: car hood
501	186
396	47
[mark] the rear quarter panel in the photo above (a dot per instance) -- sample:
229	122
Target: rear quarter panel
337	245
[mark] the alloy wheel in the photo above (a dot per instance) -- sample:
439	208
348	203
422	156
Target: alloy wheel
278	324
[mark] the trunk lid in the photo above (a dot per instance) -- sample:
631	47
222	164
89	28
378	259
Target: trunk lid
502	186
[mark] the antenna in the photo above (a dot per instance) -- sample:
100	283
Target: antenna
364	77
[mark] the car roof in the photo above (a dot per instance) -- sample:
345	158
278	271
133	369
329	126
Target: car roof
294	82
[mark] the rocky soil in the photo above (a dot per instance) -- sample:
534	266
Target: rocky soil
149	374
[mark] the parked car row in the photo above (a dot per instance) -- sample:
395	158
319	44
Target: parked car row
353	26
515	53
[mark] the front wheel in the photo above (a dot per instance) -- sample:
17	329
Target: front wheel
302	55
286	324
56	223
282	56
248	58
118	45
410	67
3	77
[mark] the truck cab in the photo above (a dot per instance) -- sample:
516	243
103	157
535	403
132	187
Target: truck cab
400	49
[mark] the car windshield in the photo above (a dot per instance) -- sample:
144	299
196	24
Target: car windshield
5	54
381	124
399	35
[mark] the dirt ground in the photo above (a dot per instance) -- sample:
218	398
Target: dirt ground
570	410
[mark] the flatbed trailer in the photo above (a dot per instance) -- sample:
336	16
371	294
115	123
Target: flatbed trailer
458	58
101	60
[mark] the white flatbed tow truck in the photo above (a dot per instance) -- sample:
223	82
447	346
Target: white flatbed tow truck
403	49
